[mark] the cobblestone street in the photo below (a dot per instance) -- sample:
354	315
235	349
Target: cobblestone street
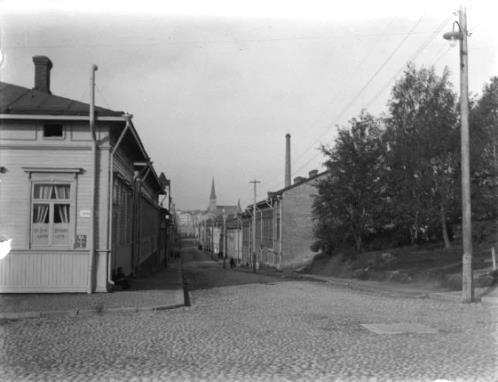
278	331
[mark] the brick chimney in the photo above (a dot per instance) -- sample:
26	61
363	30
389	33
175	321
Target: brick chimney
313	173
299	179
287	161
42	73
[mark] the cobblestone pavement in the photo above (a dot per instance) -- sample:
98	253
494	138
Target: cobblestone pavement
202	272
285	331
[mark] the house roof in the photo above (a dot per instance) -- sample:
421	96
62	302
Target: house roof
304	180
272	195
16	99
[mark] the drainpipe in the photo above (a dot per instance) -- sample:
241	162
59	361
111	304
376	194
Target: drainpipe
137	186
91	254
110	252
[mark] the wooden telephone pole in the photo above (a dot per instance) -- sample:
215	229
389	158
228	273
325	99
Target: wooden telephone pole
254	182
460	34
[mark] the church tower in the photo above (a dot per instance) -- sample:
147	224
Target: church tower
212	198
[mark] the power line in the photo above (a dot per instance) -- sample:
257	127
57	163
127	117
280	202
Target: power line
419	50
103	97
364	59
408	34
128	43
372	77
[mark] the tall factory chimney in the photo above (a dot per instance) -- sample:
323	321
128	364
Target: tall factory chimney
287	161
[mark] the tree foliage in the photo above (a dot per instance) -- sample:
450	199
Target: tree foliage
347	200
398	179
422	159
483	160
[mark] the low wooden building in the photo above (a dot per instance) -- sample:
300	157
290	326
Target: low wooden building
284	226
234	239
76	205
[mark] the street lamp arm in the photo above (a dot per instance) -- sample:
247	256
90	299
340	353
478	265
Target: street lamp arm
455	34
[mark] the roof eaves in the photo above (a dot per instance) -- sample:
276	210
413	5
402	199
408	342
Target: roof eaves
139	141
306	180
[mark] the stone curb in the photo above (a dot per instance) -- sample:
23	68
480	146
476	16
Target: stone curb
103	310
439	296
383	291
489	300
19	315
84	312
453	297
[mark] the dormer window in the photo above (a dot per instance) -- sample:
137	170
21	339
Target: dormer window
53	130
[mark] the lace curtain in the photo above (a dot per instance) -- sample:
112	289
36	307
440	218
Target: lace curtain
40	213
62	211
51	192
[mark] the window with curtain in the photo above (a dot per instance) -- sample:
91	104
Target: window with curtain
51	214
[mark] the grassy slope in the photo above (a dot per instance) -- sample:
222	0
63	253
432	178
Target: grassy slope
429	263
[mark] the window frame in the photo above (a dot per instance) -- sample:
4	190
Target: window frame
53	176
55	137
51	203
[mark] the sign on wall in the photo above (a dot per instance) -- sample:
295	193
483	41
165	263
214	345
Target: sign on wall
80	241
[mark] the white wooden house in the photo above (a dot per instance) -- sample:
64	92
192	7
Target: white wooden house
75	208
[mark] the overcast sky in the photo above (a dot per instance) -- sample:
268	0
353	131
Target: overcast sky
214	86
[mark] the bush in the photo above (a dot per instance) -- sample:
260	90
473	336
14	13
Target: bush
361	274
453	282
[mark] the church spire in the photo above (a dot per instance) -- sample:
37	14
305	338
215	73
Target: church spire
212	197
213	193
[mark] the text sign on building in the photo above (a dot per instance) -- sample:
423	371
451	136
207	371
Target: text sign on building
80	241
84	213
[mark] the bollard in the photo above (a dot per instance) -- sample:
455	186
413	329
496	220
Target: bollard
186	296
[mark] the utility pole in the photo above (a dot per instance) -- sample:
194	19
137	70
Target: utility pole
467	282
461	35
92	228
254	182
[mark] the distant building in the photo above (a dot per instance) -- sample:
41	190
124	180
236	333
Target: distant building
209	223
234	238
77	205
185	221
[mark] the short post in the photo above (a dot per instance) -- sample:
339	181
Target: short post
493	257
224	249
186	296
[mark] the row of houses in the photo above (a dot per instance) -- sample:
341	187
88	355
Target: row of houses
79	196
282	221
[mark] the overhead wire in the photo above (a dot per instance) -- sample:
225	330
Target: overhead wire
417	52
313	124
421	48
346	108
128	43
